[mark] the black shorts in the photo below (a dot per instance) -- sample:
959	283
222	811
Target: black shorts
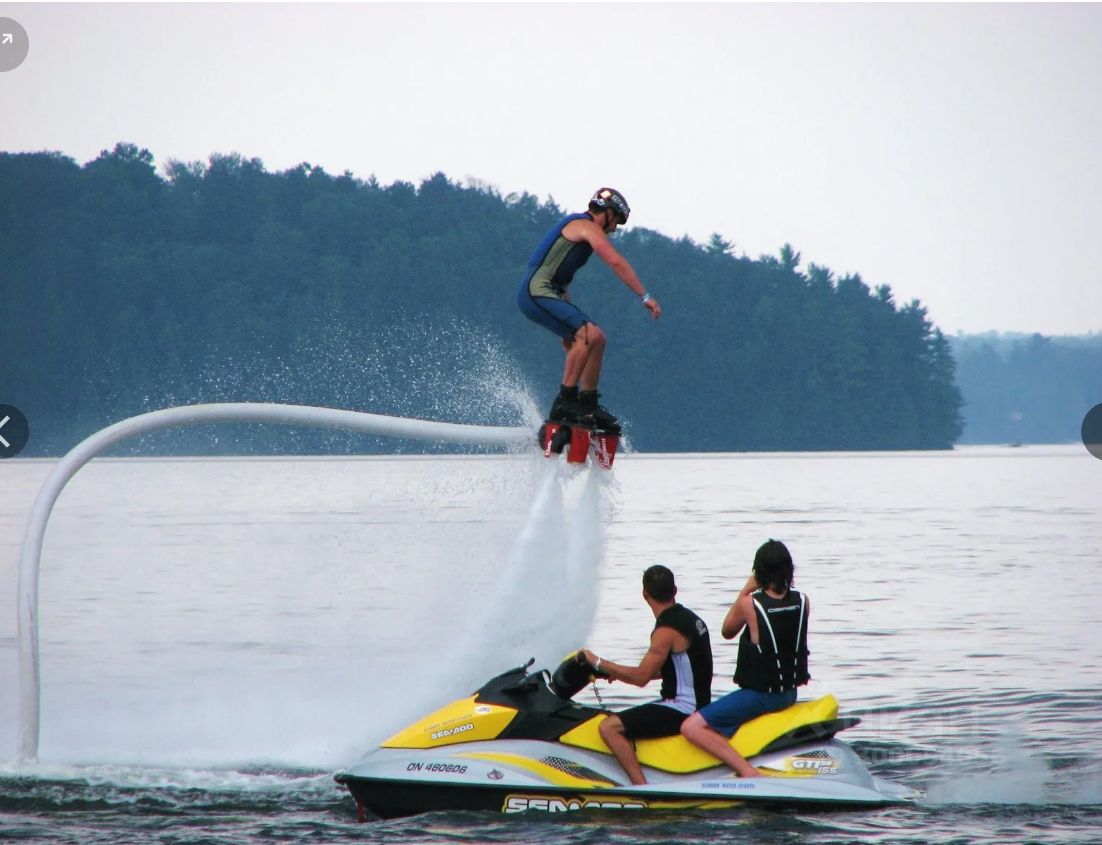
650	721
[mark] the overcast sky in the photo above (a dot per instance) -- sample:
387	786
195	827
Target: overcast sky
951	151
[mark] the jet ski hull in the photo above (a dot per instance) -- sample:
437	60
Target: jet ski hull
520	743
512	776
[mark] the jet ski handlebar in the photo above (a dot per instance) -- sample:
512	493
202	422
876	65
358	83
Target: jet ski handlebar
573	675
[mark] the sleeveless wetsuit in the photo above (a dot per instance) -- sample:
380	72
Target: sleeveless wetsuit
686	679
551	268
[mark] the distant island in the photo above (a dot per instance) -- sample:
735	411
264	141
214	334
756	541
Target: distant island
127	290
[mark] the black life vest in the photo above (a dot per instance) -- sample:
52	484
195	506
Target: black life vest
779	660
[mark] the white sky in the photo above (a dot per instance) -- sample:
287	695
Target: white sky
951	151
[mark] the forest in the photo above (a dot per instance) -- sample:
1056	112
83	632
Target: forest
127	288
1023	389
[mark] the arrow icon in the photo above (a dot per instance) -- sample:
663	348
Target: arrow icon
8	38
14	431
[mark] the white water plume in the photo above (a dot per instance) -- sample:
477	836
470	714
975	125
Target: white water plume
543	603
546	599
585	544
302	610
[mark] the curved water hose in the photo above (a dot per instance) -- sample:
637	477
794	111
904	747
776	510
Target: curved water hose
230	412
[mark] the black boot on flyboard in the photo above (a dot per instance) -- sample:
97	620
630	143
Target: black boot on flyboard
578	424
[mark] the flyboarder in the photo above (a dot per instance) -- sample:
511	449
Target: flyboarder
544	298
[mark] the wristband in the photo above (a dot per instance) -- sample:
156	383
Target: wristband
646	297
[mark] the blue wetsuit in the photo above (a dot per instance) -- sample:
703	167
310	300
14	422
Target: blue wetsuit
541	293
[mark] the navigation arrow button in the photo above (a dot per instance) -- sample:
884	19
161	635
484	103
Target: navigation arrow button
14	431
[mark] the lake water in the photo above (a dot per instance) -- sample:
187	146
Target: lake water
218	636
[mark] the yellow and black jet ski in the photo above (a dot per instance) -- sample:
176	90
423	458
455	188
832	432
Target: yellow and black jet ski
520	743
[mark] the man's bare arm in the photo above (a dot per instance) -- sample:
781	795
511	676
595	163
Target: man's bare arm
662	642
594	235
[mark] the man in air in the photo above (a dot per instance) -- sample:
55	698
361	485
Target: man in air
544	298
680	654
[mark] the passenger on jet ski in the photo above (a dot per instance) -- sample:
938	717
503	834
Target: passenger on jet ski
680	653
772	656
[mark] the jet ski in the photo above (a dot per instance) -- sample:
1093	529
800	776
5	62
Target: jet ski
521	743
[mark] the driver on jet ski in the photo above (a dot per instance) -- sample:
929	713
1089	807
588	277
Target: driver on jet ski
680	654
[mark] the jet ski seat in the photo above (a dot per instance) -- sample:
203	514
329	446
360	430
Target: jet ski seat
803	722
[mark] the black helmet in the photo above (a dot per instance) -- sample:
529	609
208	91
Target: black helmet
613	199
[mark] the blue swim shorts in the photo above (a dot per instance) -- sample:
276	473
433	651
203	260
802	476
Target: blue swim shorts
561	317
726	715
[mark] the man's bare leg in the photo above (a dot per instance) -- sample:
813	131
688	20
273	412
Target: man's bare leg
577	353
696	730
591	372
612	732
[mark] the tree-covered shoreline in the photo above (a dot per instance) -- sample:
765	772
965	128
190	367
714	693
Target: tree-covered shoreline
220	281
1027	388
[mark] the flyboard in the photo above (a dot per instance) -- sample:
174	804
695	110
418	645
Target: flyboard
579	441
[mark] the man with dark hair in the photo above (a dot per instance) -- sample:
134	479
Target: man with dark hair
772	656
544	299
680	654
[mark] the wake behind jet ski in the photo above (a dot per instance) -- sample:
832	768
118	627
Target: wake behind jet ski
520	743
